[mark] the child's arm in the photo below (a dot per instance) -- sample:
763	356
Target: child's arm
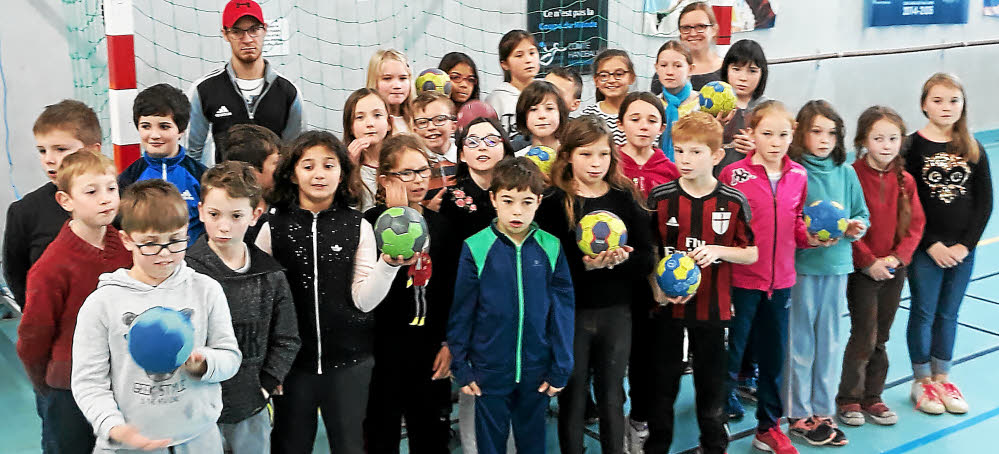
801	237
743	250
197	127
41	319
908	244
221	353
296	119
372	276
16	261
860	217
463	309
91	377
561	323
283	342
981	189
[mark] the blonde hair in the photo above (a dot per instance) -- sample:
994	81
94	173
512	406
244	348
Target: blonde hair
153	206
961	143
771	107
81	163
698	127
375	73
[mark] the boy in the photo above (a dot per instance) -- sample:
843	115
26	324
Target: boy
709	221
260	303
57	286
34	221
511	334
261	148
161	113
569	83
434	121
131	408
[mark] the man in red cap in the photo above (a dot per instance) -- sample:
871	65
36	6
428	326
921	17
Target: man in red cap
246	90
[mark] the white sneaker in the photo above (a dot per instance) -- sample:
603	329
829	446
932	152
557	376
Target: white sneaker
927	398
952	398
638	432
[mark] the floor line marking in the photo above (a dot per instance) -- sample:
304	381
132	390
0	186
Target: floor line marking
934	436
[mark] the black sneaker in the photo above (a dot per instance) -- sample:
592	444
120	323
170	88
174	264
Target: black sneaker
839	438
811	430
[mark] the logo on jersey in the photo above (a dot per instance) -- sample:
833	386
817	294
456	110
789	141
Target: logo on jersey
720	221
186	195
741	176
223	112
672	222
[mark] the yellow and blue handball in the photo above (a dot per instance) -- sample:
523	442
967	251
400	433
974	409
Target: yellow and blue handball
543	157
434	79
678	275
160	339
600	231
826	219
401	231
717	97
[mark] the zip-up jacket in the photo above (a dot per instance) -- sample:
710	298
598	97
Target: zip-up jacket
217	105
881	193
656	171
181	170
835	182
778	225
512	318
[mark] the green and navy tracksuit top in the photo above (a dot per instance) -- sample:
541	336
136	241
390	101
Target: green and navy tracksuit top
513	313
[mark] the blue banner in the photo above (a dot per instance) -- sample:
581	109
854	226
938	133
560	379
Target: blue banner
908	12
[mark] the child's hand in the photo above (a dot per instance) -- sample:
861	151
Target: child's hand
471	389
400	261
855	228
706	255
434	204
442	364
664	300
195	364
129	435
549	389
879	271
608	259
959	252
724	118
356	147
395	192
743	142
678	299
942	255
814	241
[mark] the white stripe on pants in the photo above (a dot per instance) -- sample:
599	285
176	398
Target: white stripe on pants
815	345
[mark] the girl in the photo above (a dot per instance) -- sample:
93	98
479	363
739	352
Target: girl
541	110
613	74
586	177
464	75
518	54
390	74
955	188
879	259
365	125
745	69
673	65
818	298
775	188
411	358
319	240
698	29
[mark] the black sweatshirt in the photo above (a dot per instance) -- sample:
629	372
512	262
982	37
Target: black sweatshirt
466	220
604	287
956	195
32	223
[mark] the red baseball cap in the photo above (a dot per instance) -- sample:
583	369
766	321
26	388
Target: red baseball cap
236	9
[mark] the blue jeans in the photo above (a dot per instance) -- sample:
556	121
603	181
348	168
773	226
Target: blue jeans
64	428
936	298
767	317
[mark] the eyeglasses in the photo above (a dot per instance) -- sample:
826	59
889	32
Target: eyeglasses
440	120
253	31
457	78
603	76
491	141
410	174
699	28
155	248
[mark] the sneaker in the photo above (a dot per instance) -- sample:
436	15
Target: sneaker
952	398
638	432
773	440
733	407
850	415
926	398
881	414
839	438
811	430
746	387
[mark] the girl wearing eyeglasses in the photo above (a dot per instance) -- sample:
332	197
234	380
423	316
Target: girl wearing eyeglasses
613	75
699	32
464	76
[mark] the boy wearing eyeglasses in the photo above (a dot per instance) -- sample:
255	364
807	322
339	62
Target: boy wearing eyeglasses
434	122
167	401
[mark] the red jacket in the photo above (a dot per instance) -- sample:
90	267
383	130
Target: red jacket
58	283
656	171
881	194
777	222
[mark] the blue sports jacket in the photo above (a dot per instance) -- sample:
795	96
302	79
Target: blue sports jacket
513	314
181	170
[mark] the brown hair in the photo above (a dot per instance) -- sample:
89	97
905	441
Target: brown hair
351	104
579	132
375	73
153	205
251	144
426	98
677	46
71	116
509	42
698	127
236	178
81	163
806	118
603	56
517	174
961	143
392	149
771	107
866	121
535	93
704	8
284	194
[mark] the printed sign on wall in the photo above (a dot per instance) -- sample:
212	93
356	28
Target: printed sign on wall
907	12
569	33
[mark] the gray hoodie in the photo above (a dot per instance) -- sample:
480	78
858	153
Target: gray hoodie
503	100
111	389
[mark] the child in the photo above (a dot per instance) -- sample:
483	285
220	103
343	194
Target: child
745	69
365	125
542	113
329	255
709	221
698	30
263	317
586	178
34	221
775	187
569	84
954	185
512	361
389	73
518	54
819	296
412	359
131	408
613	75
673	66
261	148
161	113
879	260
57	286
434	121
464	75
641	120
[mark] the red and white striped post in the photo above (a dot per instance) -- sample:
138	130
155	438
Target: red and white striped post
119	28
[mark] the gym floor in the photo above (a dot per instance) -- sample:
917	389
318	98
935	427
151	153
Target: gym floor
976	358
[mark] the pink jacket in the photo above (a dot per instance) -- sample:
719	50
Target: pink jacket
777	222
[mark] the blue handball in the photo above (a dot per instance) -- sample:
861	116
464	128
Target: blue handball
678	275
160	339
826	219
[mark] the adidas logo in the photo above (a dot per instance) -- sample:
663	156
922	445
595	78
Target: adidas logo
187	195
337	248
223	112
672	222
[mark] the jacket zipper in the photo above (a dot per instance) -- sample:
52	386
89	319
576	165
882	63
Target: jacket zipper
520	302
251	110
315	292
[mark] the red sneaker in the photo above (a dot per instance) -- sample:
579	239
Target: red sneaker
773	440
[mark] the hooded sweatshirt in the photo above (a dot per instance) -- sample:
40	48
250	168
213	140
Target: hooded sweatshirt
504	100
111	389
181	170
